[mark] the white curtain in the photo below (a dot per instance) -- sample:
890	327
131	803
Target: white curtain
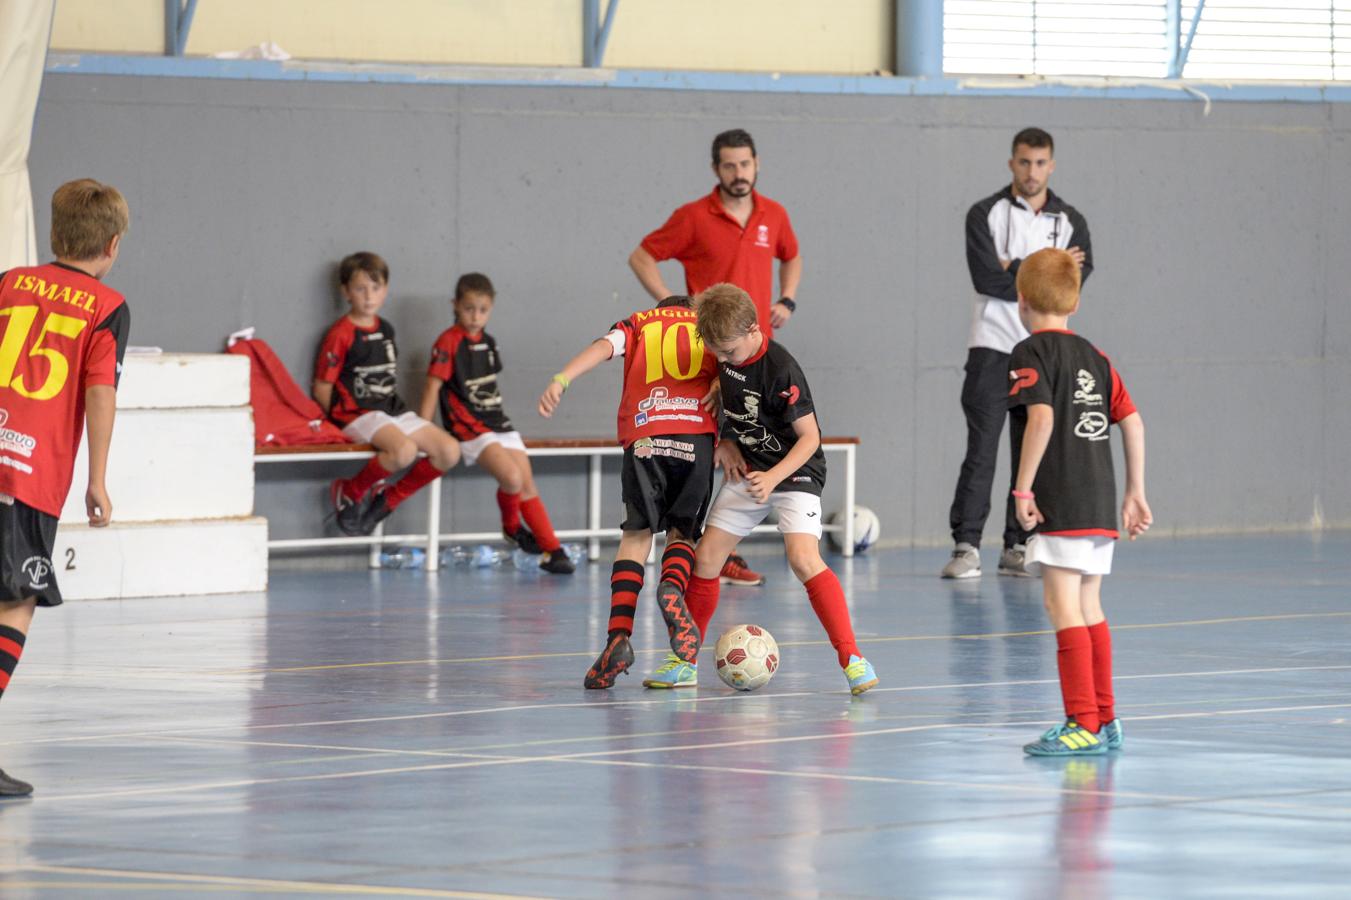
25	29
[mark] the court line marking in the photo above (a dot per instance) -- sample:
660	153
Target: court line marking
816	643
659	700
473	760
300	887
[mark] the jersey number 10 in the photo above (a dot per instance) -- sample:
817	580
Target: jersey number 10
18	328
662	351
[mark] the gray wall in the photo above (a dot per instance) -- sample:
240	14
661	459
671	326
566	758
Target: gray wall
1219	291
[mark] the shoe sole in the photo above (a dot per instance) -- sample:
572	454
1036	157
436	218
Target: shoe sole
666	685
860	688
1099	750
974	573
728	580
1015	573
605	681
680	625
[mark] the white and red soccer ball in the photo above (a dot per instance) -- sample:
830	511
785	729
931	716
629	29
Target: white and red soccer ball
747	657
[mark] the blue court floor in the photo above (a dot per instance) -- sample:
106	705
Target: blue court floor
397	734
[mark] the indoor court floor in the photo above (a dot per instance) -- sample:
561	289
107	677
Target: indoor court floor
398	734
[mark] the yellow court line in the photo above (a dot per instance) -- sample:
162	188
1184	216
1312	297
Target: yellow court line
867	640
474	760
302	887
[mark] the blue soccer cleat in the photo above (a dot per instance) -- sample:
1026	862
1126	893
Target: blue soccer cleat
1112	734
1070	739
674	673
860	675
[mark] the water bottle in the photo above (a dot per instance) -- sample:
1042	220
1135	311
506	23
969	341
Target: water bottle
486	557
576	553
403	558
524	561
455	556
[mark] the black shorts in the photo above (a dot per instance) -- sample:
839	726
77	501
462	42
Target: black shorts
26	539
668	483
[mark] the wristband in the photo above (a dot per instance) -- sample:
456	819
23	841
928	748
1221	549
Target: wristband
789	302
564	380
1023	495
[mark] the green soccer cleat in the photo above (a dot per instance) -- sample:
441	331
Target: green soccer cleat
860	675
674	673
1070	739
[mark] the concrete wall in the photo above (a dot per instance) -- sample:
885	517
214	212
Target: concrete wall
1220	289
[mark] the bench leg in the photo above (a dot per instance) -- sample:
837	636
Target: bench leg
374	558
847	544
434	525
593	507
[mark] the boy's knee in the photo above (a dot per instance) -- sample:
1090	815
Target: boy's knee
806	565
511	482
404	453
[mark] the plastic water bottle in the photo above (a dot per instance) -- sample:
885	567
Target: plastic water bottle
403	558
486	556
524	561
479	557
455	556
576	553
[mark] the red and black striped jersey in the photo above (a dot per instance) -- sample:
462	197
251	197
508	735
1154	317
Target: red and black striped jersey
761	399
361	364
667	372
1075	483
470	401
63	331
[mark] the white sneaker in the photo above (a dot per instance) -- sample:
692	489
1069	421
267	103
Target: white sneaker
965	562
1013	561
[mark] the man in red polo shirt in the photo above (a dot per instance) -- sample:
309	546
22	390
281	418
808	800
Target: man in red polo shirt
732	235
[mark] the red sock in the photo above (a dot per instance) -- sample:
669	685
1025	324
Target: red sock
677	563
510	504
11	648
537	518
1075	661
422	474
827	597
363	481
1102	670
626	583
701	599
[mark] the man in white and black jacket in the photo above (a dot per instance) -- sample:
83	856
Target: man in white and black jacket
1001	231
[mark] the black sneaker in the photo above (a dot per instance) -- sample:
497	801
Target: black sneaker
346	511
556	563
376	511
680	625
524	539
13	787
613	661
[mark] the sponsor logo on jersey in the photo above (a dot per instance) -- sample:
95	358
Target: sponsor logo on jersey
645	448
792	395
1092	425
15	441
1085	395
654	407
1022	378
38	569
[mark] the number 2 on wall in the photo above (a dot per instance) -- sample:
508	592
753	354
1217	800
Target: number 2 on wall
663	352
18	328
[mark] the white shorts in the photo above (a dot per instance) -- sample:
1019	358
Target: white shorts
470	450
1091	554
737	512
362	429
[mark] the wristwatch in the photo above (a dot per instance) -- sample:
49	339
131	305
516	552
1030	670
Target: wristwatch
789	302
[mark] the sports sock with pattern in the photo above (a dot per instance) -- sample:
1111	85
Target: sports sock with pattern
626	583
423	473
701	599
510	505
1101	639
11	648
537	520
357	486
827	597
676	564
1074	659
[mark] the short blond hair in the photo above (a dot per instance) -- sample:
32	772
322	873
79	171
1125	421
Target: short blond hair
726	312
1049	281
86	215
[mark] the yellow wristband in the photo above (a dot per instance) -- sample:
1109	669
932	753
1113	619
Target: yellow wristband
563	380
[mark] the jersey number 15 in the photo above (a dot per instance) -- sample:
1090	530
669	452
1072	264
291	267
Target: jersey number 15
17	330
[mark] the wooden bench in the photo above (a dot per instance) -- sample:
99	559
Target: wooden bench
593	448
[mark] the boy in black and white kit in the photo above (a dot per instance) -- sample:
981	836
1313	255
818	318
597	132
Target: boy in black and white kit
1063	399
770	453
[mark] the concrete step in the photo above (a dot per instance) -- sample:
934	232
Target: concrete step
161	559
183	381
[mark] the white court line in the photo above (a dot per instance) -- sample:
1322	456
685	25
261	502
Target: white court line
661	700
481	760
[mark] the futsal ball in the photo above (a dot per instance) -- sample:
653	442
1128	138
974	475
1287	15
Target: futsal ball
747	657
866	530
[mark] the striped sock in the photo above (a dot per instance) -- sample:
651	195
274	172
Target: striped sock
537	520
11	648
676	564
423	473
510	505
1101	639
1074	659
827	597
626	583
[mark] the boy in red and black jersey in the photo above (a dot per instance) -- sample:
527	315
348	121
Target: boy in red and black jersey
771	458
64	336
354	382
462	381
666	427
1064	398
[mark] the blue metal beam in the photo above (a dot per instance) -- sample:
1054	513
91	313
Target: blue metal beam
1191	36
1173	36
177	23
595	33
919	38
